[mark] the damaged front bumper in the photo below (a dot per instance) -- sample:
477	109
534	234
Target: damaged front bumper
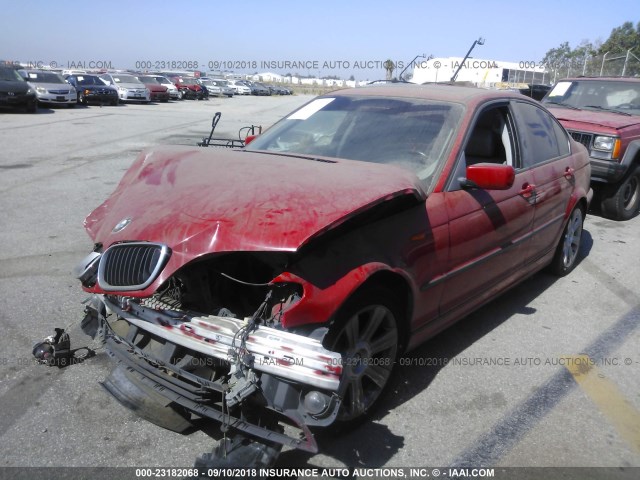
254	380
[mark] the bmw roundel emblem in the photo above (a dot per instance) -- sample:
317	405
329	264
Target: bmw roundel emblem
122	224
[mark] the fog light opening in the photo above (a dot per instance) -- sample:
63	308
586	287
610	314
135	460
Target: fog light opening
316	403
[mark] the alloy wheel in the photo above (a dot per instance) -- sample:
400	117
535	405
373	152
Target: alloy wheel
368	341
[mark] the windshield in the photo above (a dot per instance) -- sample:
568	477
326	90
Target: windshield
611	95
10	75
125	79
44	77
414	134
89	80
189	81
150	80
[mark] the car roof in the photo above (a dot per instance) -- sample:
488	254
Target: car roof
442	92
610	79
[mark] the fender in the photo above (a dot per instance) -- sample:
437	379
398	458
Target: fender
630	154
318	305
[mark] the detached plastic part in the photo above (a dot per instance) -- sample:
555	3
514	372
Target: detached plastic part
91	322
145	402
240	452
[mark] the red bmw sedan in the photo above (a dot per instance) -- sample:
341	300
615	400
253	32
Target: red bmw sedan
278	284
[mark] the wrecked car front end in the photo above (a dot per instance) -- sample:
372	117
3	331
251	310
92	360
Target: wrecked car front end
207	315
245	377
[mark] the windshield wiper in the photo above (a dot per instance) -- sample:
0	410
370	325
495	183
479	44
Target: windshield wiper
608	110
566	105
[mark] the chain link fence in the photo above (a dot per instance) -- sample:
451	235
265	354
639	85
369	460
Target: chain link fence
611	64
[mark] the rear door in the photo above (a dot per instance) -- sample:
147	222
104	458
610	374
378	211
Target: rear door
545	151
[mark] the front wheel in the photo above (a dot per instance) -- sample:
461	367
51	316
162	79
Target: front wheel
366	334
566	255
622	202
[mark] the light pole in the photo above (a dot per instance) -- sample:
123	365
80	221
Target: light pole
411	63
479	41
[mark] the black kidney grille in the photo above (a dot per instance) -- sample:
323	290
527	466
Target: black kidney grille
131	266
583	138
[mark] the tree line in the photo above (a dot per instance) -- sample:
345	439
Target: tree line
618	55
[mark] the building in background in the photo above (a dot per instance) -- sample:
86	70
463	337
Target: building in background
480	72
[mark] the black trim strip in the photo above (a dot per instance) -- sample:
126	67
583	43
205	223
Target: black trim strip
473	263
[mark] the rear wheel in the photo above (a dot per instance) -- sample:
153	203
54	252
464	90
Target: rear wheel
366	334
622	201
566	255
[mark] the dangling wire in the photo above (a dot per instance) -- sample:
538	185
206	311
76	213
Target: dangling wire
241	351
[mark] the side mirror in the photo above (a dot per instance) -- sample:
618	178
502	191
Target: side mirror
249	139
489	176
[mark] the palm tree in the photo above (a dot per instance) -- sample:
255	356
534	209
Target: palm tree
389	66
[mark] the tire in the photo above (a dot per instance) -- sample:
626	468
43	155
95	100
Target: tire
32	107
568	249
622	201
365	332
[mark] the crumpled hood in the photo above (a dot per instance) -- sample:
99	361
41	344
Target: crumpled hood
581	119
204	200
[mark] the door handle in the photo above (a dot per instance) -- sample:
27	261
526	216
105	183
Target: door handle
528	190
568	173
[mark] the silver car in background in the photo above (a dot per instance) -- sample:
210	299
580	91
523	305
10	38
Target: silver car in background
239	87
220	85
51	88
212	88
130	89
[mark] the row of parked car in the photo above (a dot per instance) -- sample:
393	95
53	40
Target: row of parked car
27	88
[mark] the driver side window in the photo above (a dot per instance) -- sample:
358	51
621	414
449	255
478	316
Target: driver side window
491	141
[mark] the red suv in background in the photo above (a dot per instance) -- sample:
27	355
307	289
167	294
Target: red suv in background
603	114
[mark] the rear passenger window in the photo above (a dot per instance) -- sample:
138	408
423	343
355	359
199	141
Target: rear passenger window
541	138
563	139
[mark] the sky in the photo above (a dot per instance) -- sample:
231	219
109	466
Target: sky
317	37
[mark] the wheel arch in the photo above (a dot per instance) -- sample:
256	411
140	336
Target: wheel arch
324	305
399	288
631	155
